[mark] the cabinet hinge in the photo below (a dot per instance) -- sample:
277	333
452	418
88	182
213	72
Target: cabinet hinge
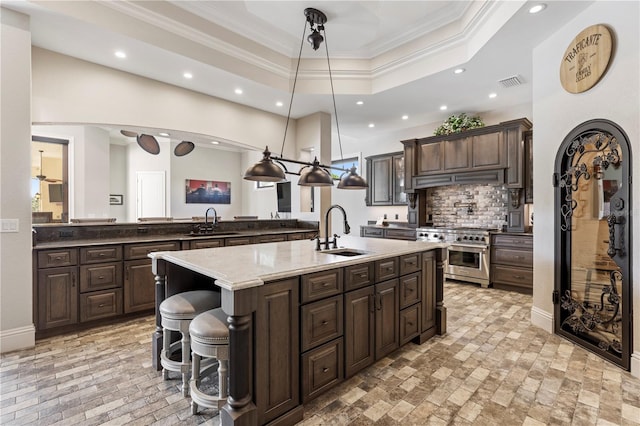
555	179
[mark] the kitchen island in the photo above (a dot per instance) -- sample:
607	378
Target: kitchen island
302	320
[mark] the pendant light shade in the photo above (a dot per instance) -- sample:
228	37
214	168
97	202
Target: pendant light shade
265	170
128	133
315	176
351	180
183	148
149	144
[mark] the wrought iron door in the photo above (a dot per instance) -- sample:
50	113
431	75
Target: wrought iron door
592	293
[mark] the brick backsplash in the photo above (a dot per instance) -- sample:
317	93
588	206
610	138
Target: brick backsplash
448	206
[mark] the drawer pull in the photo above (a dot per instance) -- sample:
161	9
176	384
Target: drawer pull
389	269
326	284
363	275
518	277
325	370
519	257
58	258
101	255
101	277
409	323
102	305
410	262
324	322
409	290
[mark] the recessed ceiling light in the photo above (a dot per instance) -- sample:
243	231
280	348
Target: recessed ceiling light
312	149
372	125
493	95
443	108
187	75
537	8
238	91
165	134
405	117
120	54
279	104
215	142
359	103
458	71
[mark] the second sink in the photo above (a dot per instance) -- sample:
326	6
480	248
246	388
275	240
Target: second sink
345	252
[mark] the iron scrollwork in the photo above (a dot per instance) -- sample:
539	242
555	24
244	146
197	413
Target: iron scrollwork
616	242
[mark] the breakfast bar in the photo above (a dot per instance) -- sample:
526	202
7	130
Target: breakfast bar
302	320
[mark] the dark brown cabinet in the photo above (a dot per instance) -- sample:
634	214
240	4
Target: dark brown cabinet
206	243
386	177
139	286
512	262
57	297
387	314
277	368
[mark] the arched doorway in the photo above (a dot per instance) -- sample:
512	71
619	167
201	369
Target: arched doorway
593	285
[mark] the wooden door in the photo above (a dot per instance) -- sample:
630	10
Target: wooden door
151	194
456	155
387	318
139	286
359	323
488	151
57	297
431	158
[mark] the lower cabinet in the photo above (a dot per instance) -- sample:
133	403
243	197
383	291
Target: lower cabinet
512	262
57	297
277	368
139	286
100	304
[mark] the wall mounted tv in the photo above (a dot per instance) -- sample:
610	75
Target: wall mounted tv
56	192
284	197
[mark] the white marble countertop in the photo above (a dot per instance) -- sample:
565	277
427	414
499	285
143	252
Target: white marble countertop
239	267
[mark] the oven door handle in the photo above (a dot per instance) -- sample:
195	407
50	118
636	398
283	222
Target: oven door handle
469	248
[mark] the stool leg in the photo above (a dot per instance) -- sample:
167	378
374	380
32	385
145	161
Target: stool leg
222	378
195	378
186	351
166	350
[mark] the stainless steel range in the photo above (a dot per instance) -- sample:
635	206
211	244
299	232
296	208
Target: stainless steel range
468	252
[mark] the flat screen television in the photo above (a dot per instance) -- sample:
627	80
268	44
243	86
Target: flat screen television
56	192
284	197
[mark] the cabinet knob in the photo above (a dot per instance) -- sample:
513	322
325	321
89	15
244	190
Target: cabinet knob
101	277
325	370
324	322
101	305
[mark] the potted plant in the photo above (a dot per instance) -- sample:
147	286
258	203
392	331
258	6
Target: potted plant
458	123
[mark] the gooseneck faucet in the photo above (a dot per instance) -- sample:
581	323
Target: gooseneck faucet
206	219
333	241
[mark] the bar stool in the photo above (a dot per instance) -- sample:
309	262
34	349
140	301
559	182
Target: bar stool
210	340
177	312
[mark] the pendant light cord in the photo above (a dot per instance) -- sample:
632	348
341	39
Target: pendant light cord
295	80
333	95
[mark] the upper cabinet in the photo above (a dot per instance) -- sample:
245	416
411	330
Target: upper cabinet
386	177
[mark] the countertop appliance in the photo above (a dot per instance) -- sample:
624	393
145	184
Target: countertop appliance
467	254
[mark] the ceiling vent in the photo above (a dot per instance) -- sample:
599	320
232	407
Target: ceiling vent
516	80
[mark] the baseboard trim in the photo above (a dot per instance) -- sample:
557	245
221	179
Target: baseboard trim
17	338
635	364
542	319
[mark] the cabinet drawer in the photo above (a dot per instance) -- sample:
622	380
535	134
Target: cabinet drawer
321	284
521	241
322	369
372	232
386	269
270	238
99	277
140	251
510	256
239	241
295	237
100	254
100	304
321	322
409	323
200	244
410	263
520	277
401	234
55	258
409	290
357	276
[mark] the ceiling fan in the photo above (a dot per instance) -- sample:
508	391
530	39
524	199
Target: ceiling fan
41	177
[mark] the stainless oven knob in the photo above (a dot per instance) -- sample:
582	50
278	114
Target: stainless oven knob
464	238
458	239
442	237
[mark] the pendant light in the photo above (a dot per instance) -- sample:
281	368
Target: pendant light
266	170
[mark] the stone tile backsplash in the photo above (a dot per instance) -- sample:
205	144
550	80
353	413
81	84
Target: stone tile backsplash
476	206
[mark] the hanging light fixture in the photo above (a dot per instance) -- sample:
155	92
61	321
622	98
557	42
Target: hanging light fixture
312	173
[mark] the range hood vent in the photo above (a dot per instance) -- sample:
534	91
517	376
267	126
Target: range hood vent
516	80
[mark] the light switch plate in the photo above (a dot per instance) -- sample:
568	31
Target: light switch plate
9	225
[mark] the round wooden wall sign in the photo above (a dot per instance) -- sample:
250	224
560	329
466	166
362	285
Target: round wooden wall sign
586	59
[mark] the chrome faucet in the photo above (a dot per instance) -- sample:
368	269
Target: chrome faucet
206	219
333	241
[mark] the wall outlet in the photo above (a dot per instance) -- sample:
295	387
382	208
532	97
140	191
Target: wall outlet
9	225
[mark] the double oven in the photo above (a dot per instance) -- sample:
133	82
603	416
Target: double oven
468	252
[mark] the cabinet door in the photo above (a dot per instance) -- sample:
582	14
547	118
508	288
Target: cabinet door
428	319
431	158
487	151
528	167
387	318
139	286
358	330
515	152
456	155
380	175
399	196
208	243
57	297
277	384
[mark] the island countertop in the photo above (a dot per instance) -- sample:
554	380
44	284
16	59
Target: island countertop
239	267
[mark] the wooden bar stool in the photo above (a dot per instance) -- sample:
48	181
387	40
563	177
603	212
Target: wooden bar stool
177	312
210	340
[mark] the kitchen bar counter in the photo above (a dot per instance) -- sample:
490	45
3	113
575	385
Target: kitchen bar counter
266	290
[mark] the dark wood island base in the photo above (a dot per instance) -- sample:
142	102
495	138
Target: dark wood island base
305	328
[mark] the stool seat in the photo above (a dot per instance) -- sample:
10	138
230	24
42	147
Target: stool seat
188	304
209	334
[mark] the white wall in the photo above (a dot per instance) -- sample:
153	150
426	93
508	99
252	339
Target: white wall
118	180
16	321
556	112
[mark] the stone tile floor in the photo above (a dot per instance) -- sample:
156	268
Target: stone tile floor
492	367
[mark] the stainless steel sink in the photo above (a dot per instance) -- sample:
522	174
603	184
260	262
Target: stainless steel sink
345	252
